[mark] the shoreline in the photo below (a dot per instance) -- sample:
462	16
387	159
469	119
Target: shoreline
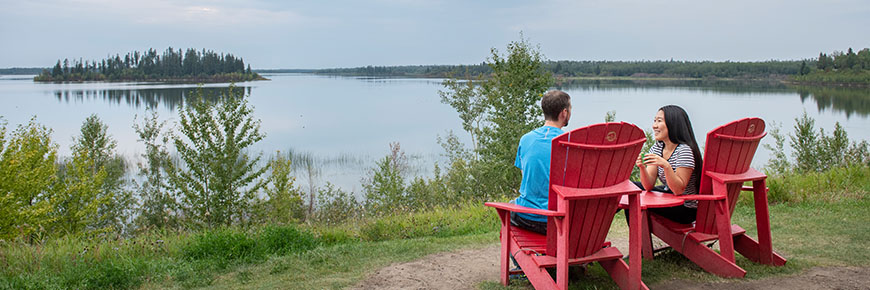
160	80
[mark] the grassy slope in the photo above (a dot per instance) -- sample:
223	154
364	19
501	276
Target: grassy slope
808	234
334	267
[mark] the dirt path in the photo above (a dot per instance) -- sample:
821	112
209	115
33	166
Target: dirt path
465	269
453	270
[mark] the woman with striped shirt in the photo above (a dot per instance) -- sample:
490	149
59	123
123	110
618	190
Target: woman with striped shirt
675	160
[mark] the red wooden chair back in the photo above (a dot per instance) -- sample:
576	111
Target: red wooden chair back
729	150
595	156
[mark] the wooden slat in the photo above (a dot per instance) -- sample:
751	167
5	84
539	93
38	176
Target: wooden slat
607	214
591	235
580	209
734	149
612	176
558	161
586	223
602	254
591	159
724	149
760	130
575	159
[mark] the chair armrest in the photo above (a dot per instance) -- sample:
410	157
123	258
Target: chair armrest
622	188
518	208
750	188
750	175
700	197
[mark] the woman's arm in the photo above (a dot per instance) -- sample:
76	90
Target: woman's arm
677	180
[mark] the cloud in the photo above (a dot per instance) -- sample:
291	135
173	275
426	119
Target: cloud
189	14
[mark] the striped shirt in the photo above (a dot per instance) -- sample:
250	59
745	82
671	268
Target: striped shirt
682	157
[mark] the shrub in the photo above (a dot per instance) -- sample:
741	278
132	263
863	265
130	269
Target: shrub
336	206
286	239
222	246
824	168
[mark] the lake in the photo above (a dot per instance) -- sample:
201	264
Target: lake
347	123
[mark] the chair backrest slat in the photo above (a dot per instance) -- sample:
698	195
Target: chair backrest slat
604	157
729	149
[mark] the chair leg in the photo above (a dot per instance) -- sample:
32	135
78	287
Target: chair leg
723	225
505	247
762	219
636	233
646	236
698	253
748	247
619	272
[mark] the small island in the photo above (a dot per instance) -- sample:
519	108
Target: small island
181	66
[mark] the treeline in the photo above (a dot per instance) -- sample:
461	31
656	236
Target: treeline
172	65
571	68
416	71
839	68
677	69
21	70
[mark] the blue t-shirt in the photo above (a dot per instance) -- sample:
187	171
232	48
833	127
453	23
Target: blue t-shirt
533	158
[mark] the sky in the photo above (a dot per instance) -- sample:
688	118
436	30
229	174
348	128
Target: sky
327	34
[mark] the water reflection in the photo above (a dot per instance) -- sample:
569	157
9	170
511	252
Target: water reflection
850	101
169	98
703	85
847	100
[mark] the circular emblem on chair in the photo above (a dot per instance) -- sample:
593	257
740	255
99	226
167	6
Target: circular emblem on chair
750	129
611	136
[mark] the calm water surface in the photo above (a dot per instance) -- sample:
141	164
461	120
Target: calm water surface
353	120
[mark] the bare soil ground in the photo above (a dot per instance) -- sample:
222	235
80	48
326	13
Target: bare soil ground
466	268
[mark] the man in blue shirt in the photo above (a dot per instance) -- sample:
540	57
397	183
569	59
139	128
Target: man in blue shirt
533	158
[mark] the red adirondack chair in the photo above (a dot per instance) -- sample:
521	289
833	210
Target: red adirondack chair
589	172
727	157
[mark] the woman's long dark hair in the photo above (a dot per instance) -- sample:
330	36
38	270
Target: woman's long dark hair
680	132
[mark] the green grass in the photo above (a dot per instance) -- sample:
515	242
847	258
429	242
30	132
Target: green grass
835	184
322	256
826	232
335	266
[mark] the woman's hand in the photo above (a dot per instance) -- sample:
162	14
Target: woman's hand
656	160
639	162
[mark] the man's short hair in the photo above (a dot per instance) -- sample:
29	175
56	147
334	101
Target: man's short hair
553	103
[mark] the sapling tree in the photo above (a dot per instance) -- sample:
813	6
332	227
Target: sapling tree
216	175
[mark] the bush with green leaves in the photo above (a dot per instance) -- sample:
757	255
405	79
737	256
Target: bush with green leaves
823	167
216	176
384	188
814	151
286	239
497	109
95	162
28	168
336	206
159	203
222	246
283	202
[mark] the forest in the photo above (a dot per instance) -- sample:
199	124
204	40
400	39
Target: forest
572	68
172	65
837	68
847	69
